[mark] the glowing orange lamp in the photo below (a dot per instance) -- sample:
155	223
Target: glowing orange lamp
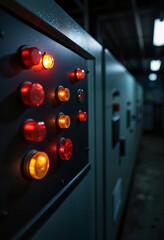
36	165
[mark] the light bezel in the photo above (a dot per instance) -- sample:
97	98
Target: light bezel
80	111
26	163
56	94
58	148
78	79
20	94
20	50
57	120
45	53
23	134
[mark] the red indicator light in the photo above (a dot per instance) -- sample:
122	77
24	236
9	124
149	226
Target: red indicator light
116	107
32	94
48	61
82	116
65	149
80	95
80	74
34	131
30	56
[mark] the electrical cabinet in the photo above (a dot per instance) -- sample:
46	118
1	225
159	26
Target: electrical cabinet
120	137
39	122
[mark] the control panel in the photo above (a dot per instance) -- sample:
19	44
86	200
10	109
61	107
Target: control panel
43	124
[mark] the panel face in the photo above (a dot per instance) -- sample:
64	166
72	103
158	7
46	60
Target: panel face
22	198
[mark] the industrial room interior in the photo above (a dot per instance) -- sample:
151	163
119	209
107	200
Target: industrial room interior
82	120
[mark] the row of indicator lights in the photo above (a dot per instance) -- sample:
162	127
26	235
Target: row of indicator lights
36	131
37	163
32	94
32	56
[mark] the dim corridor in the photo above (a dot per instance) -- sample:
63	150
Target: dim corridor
144	218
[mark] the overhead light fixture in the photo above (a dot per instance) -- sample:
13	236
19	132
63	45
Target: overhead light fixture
158	37
152	76
155	65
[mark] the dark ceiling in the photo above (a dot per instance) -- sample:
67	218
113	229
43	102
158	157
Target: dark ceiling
124	27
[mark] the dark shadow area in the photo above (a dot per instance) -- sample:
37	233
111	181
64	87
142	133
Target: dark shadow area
10	108
13	153
10	66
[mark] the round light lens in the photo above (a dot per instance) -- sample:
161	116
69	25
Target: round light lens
63	94
32	94
31	56
65	149
80	74
48	61
82	116
80	95
64	121
34	131
37	165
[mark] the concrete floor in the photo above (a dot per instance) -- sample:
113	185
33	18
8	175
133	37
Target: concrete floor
144	219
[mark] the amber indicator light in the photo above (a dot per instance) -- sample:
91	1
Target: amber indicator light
63	94
64	121
48	61
80	74
34	131
36	165
65	149
80	95
32	94
82	116
30	56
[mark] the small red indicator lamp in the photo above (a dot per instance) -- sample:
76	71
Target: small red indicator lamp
48	61
32	94
36	165
65	149
63	94
116	107
80	74
82	116
30	56
34	131
64	121
80	95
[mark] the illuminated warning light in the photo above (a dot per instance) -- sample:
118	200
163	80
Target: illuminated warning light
48	61
30	56
32	94
34	131
116	107
82	116
64	121
36	165
80	95
80	74
63	94
65	149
